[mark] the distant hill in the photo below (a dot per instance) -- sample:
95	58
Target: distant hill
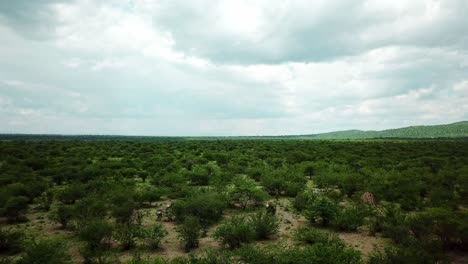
455	130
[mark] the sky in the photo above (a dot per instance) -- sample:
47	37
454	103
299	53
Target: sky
230	67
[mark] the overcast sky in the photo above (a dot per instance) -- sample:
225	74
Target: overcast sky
180	67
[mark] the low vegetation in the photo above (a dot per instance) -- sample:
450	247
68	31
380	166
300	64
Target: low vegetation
232	201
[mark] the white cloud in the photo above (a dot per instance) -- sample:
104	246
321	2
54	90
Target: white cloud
233	67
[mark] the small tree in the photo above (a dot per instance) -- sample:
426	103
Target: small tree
264	224
235	232
63	214
96	234
123	213
312	236
350	218
89	208
10	241
206	206
45	200
71	193
15	208
309	171
127	235
154	235
190	232
51	251
148	195
321	210
244	190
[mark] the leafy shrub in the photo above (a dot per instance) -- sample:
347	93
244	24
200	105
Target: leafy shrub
463	231
350	218
244	191
189	232
176	182
293	188
302	199
321	210
407	254
284	181
51	251
97	256
63	214
264	224
45	201
235	232
6	260
123	213
127	235
148	195
274	183
15	208
200	175
90	208
392	222
96	234
310	235
442	224
208	257
139	260
10	241
154	235
317	253
207	207
71	193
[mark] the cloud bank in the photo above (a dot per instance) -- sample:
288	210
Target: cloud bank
170	67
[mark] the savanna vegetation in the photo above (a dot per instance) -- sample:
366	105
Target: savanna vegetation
233	201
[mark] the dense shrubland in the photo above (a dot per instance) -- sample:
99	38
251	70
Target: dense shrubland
99	193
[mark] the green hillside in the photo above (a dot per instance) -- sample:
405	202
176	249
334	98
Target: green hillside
459	129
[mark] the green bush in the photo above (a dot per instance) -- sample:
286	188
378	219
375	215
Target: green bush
63	214
463	231
50	251
127	234
96	234
153	235
235	232
139	260
264	224
311	235
302	199
98	256
148	195
350	218
392	221
409	253
321	210
317	253
71	193
90	208
446	226
207	207
208	257
123	213
15	208
45	201
189	232
244	191
10	241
